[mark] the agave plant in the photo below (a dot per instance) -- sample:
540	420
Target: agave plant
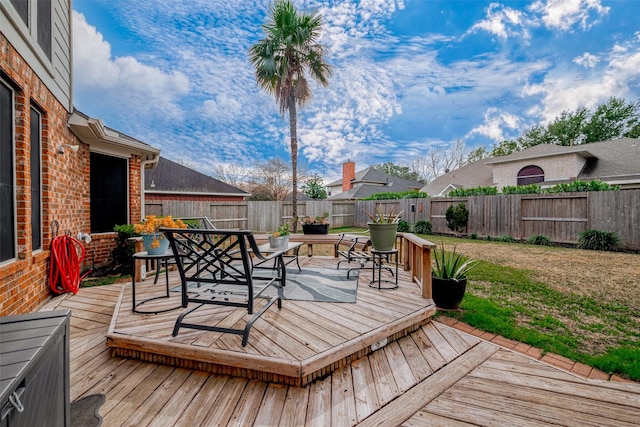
451	265
379	217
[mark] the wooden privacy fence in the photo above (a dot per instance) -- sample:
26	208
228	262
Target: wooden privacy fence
561	217
254	215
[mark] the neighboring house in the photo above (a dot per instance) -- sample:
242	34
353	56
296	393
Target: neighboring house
172	182
616	162
56	164
363	184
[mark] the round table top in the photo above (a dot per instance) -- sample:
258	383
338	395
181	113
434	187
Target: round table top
375	251
146	255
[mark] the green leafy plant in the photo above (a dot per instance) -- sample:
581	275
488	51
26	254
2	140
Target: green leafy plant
540	240
598	240
522	189
403	226
506	239
423	227
578	185
307	220
379	217
473	236
474	191
411	194
457	217
120	258
450	265
283	230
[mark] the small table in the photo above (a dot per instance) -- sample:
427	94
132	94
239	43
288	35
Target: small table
287	259
378	257
160	259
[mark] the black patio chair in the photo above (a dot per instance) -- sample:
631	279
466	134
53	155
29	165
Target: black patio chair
357	246
216	268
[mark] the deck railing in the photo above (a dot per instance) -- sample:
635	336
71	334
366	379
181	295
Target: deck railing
416	258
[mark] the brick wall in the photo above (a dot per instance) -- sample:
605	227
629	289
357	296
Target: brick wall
65	189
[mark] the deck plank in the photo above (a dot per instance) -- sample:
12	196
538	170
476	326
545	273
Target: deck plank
294	413
319	406
272	406
343	404
405	406
364	388
401	370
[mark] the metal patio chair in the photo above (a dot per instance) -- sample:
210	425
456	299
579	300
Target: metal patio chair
216	268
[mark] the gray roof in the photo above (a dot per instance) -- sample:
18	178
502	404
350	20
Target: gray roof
478	173
171	177
606	160
370	181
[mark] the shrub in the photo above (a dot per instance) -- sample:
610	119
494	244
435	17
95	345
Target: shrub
457	217
505	238
410	194
522	189
577	185
539	239
474	191
474	236
120	258
423	227
403	226
598	240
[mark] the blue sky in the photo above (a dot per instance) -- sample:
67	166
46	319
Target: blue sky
408	75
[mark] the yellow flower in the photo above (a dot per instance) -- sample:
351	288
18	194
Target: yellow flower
152	225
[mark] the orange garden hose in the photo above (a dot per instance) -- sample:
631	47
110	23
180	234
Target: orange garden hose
67	254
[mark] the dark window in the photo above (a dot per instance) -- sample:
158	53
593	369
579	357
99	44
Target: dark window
44	26
7	203
36	182
22	7
109	183
530	175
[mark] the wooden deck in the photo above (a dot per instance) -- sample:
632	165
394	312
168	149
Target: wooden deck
293	346
433	376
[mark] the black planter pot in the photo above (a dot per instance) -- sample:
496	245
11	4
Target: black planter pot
315	228
447	293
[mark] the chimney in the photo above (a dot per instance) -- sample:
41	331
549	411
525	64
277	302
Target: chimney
348	174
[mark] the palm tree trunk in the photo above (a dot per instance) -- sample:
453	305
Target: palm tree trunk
293	125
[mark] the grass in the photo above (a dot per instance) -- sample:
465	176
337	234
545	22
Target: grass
514	303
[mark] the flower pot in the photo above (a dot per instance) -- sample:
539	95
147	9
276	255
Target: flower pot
155	244
447	293
278	242
383	235
315	228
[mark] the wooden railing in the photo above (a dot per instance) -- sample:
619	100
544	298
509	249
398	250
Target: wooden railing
416	258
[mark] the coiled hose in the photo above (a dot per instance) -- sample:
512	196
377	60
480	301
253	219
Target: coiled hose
67	254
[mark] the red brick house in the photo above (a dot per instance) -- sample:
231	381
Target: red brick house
54	161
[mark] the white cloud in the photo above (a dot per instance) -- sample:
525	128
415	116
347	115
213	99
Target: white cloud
502	21
568	91
586	60
564	14
495	122
125	81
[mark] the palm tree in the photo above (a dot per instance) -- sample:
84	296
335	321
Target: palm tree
282	61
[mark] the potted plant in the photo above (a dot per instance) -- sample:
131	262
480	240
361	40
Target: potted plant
383	228
449	277
155	242
315	225
279	239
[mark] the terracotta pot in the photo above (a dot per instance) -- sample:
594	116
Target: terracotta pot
447	293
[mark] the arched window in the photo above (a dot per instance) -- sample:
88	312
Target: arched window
530	175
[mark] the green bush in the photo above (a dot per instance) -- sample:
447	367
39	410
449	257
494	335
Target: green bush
473	236
505	238
403	226
474	191
423	227
522	189
539	239
577	185
598	240
411	194
457	217
120	257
